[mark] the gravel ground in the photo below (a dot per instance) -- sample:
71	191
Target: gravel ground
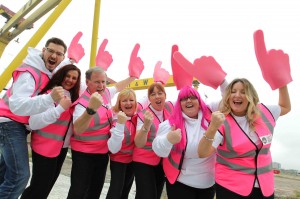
286	187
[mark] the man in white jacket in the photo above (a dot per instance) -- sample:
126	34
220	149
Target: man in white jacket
19	102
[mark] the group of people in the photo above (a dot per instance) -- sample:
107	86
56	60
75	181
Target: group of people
198	149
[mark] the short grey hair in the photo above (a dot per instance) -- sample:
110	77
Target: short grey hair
94	69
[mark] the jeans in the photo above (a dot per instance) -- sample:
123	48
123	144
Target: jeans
14	163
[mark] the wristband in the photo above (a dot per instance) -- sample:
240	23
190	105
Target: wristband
90	111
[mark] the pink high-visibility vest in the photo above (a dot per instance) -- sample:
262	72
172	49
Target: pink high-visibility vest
41	80
240	162
126	151
146	154
94	139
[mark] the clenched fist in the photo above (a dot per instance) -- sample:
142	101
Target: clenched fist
174	136
122	118
57	93
96	101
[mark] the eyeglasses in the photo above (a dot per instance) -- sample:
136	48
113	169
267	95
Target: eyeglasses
189	97
51	51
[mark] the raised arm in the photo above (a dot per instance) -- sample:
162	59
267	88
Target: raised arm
141	135
205	147
284	100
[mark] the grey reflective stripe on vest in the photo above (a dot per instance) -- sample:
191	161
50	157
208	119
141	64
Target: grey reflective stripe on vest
62	122
267	122
148	148
91	138
264	151
228	138
50	136
236	167
5	98
171	161
152	133
127	135
243	169
85	97
151	137
97	125
265	169
235	155
168	108
38	72
126	151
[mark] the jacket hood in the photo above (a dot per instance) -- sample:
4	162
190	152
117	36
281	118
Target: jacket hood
34	59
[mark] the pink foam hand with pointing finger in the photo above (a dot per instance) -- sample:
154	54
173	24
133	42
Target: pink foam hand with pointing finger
181	78
136	64
274	64
160	74
205	69
103	58
208	71
75	50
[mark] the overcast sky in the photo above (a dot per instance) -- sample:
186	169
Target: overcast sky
220	28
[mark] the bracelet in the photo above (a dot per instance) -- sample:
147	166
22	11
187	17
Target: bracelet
207	138
144	129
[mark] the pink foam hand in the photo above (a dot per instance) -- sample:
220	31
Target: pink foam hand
103	58
75	50
181	78
160	74
274	64
205	69
208	71
136	64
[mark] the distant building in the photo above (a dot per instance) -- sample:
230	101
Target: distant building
276	165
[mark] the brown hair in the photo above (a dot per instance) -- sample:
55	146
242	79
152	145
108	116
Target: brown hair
59	77
157	85
56	41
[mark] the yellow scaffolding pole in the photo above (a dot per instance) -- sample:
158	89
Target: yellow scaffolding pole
94	43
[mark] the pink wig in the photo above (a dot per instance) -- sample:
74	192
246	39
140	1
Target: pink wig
176	118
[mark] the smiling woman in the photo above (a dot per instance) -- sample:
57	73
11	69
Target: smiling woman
121	144
51	132
177	143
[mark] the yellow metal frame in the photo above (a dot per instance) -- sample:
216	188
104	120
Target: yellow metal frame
35	39
6	36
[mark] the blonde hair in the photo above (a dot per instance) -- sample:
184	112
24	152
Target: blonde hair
252	112
125	93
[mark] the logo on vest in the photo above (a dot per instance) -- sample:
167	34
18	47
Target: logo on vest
267	139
